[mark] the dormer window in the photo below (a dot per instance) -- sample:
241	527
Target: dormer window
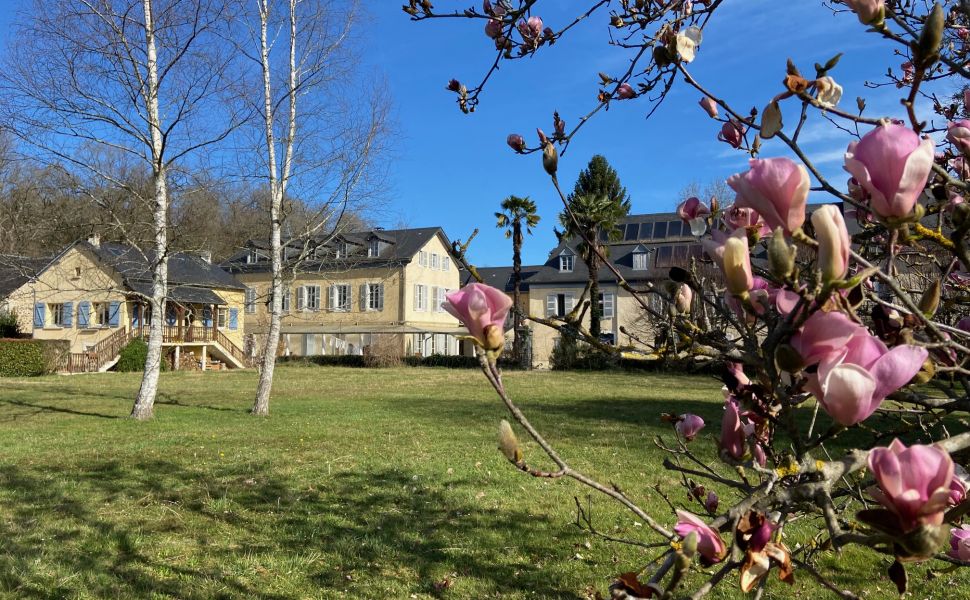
374	250
566	263
252	257
640	259
341	249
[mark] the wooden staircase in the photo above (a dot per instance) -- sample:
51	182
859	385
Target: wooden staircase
101	357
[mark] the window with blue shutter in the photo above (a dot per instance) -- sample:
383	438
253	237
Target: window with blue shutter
39	314
233	319
84	315
114	314
207	317
67	314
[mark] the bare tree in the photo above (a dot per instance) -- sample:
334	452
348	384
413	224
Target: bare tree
311	140
142	78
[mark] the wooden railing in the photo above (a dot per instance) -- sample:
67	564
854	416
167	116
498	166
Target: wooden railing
232	348
99	355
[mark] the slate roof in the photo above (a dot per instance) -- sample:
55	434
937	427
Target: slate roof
399	247
18	270
185	270
501	277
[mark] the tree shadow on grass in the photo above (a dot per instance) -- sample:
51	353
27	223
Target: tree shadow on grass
47	408
98	529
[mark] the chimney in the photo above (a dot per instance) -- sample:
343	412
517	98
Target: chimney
206	255
95	240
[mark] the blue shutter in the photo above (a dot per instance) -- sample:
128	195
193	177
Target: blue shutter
207	317
39	314
233	319
83	315
114	314
67	314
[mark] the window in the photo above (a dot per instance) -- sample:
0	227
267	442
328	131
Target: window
423	258
77	271
252	257
222	318
312	295
57	314
566	263
559	305
435	264
439	298
674	229
639	261
632	231
374	299
659	230
607	302
445	264
285	301
102	314
646	231
680	254
250	300
374	249
340	297
664	256
341	249
420	297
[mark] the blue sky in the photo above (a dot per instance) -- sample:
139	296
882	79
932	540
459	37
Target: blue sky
454	169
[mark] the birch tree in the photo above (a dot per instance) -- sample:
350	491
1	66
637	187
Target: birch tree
312	141
143	78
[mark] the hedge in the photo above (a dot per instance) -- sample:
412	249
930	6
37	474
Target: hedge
29	358
357	361
133	356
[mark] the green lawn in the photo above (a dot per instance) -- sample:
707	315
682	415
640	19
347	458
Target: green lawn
362	484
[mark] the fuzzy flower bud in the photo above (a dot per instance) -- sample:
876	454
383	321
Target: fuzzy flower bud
550	158
833	242
737	266
508	443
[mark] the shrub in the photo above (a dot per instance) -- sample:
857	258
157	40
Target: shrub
9	327
384	351
29	358
133	356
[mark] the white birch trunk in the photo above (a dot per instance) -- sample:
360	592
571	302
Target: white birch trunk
145	400
277	185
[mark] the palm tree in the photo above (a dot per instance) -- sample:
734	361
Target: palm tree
517	212
597	204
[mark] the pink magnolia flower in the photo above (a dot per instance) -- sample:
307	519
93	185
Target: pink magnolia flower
958	491
683	299
739	216
892	163
516	142
625	91
909	71
833	242
960	166
777	188
709	542
493	28
482	309
709	106
689	426
758	454
694	212
870	12
958	133
732	431
824	334
960	543
913	483
853	381
732	132
736	370
531	31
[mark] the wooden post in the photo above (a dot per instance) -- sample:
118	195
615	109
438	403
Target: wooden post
177	358
205	357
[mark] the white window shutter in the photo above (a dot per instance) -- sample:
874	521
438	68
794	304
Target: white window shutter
570	303
380	296
363	297
551	305
301	298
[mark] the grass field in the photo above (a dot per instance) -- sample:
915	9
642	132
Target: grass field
362	484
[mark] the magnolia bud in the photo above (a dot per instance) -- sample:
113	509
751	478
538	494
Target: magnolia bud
930	38
737	266
690	544
508	443
960	215
550	159
770	120
781	256
494	338
930	300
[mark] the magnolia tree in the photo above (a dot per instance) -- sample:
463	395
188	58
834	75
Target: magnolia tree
843	379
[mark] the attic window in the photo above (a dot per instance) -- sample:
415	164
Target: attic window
252	257
566	263
374	250
341	249
77	271
640	260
